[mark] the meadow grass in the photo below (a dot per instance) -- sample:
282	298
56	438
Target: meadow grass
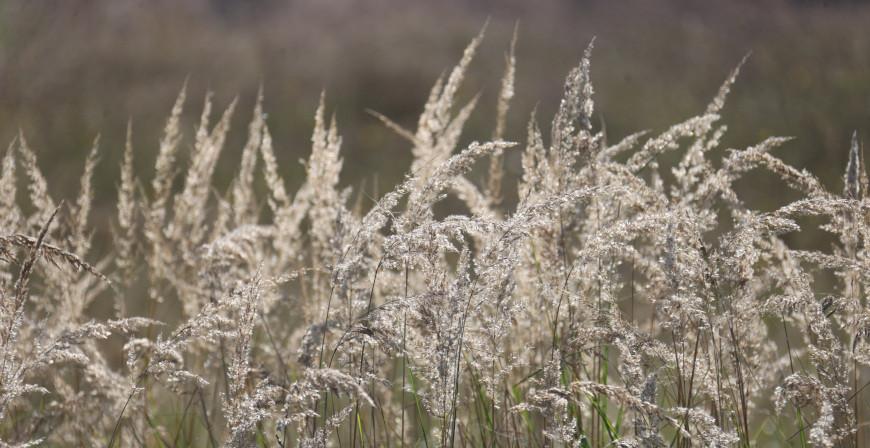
629	299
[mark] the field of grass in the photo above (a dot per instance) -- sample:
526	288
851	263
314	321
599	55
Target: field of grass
628	297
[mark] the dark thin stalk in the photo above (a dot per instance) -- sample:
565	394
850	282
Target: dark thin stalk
183	417
205	418
404	354
124	408
691	382
363	351
740	382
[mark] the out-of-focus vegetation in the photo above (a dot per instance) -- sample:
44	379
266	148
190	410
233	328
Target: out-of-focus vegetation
71	70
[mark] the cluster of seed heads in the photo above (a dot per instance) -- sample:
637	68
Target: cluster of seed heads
626	299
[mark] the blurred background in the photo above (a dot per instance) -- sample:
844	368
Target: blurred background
71	70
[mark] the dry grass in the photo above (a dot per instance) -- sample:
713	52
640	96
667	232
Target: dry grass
624	301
